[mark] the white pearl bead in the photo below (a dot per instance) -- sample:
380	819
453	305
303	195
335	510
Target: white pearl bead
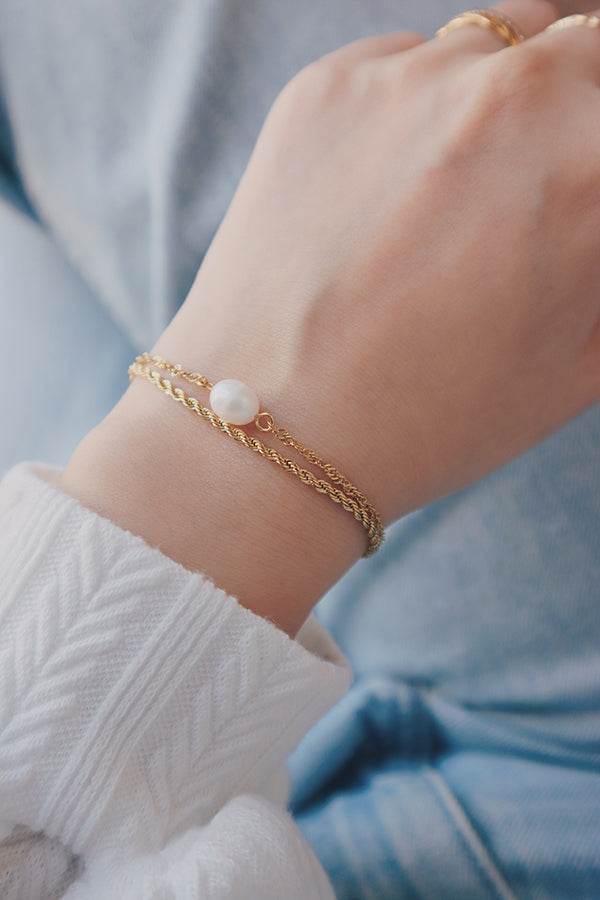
234	401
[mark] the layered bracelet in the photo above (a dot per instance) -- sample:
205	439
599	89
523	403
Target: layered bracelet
233	404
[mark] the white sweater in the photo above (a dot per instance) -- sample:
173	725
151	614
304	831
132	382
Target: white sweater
144	718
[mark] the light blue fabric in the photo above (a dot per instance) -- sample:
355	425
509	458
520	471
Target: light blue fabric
465	761
64	360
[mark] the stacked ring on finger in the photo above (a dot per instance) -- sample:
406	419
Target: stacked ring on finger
485	18
574	21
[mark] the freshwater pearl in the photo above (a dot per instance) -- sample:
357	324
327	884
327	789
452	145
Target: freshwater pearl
234	401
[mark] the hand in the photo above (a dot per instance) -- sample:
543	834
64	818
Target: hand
409	273
408	276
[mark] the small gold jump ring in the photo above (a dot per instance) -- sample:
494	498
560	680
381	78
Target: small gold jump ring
269	421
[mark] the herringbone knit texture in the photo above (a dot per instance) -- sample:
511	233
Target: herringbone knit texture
144	715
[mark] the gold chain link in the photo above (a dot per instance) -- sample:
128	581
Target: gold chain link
348	495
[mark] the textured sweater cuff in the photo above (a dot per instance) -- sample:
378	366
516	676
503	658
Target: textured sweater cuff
135	694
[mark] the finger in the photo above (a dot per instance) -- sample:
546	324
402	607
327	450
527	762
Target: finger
373	47
527	17
575	38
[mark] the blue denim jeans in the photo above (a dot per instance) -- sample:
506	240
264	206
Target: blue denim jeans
465	760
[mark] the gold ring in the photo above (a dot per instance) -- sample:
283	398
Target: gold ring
484	18
576	19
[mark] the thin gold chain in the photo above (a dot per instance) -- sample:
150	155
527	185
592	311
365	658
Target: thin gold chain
264	422
350	498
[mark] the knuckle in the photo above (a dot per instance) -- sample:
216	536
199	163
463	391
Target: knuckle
503	92
316	87
414	70
521	77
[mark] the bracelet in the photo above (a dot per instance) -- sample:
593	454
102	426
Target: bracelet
241	404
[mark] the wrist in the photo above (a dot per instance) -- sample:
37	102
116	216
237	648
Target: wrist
212	505
305	377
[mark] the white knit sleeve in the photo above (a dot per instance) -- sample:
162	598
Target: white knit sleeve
144	712
251	850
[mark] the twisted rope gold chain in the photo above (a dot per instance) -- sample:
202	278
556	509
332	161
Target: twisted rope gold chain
347	495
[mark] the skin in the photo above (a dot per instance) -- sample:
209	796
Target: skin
408	276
